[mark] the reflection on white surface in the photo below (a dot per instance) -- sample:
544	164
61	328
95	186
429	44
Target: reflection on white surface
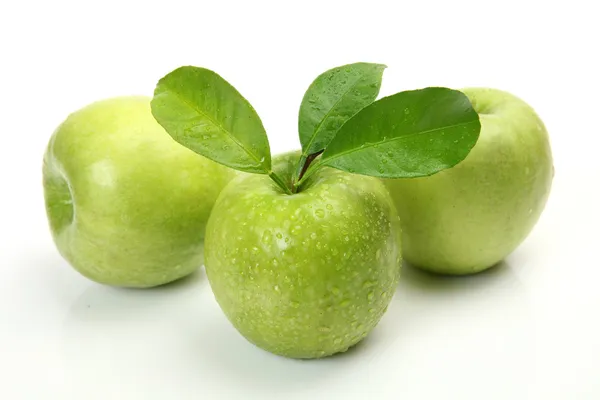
468	336
174	339
526	329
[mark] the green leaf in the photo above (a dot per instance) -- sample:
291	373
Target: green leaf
204	113
332	99
406	135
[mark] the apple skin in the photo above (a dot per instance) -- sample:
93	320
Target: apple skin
468	218
127	205
304	275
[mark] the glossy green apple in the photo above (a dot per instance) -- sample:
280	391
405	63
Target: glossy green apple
304	275
127	205
468	218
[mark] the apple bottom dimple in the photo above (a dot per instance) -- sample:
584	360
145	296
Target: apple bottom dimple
307	275
58	196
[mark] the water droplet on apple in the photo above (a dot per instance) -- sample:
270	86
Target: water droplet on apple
368	284
313	235
267	237
370	296
320	213
294	304
335	291
276	288
406	111
329	207
337	340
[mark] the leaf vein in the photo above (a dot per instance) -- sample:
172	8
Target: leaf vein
219	126
316	130
373	144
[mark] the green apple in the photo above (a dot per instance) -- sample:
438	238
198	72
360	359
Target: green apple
468	218
304	275
127	205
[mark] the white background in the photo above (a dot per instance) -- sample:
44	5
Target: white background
527	330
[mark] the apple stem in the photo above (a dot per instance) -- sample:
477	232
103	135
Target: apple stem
303	165
280	182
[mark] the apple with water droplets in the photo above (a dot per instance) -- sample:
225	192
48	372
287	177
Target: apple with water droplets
468	218
305	275
303	256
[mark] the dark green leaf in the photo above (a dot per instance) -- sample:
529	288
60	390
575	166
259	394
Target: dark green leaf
203	112
409	134
332	99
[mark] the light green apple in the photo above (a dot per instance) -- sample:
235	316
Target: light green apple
468	218
127	205
304	275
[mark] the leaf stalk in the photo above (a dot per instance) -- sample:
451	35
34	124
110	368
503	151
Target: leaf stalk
277	179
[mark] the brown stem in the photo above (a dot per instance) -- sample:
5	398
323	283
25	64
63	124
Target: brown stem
309	160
